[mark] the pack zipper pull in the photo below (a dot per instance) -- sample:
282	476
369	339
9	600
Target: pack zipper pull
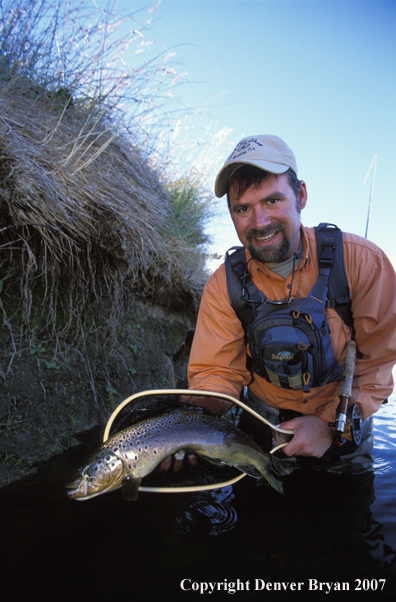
306	378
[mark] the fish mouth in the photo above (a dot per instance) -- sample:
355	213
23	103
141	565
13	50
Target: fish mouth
85	489
103	474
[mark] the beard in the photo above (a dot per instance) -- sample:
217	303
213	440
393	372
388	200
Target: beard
270	254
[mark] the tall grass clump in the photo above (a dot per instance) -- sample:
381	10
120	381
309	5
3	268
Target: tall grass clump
86	219
190	209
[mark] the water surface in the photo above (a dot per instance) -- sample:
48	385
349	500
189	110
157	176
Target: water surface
323	529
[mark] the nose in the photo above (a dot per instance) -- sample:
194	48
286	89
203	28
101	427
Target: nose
260	218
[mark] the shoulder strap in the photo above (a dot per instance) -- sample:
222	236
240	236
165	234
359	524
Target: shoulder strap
331	255
242	292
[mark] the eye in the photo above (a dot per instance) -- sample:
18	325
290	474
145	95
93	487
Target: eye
241	209
272	201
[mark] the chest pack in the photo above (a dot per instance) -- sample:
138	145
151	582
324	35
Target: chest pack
289	341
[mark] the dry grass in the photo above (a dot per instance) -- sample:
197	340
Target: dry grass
85	218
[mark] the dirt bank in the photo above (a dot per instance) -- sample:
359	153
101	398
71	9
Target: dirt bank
52	391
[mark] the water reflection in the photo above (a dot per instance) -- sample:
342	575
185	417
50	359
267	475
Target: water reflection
209	513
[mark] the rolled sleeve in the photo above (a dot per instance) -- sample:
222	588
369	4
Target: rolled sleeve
218	354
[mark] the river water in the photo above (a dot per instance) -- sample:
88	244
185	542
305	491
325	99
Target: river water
324	533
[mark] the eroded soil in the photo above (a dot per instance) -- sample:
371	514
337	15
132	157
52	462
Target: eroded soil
50	391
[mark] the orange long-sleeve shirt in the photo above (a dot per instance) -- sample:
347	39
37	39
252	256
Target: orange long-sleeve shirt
218	355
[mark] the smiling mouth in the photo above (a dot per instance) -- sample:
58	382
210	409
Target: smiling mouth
261	237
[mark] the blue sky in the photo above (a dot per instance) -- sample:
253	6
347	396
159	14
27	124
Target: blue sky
319	74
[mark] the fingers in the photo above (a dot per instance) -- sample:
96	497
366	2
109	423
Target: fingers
290	425
192	459
176	462
166	464
292	450
312	436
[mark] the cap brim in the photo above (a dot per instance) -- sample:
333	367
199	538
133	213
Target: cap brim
223	177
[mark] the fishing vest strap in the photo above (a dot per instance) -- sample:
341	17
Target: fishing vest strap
326	255
236	265
330	252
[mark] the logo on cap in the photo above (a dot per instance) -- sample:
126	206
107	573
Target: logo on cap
243	147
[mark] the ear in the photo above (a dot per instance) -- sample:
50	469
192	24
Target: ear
303	195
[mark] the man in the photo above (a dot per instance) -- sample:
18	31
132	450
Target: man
265	200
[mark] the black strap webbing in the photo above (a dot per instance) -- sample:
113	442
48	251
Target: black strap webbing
330	236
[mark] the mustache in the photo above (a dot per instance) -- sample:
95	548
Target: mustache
265	231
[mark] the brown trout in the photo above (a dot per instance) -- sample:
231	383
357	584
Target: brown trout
128	456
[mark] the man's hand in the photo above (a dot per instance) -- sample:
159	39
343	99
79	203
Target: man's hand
215	406
312	436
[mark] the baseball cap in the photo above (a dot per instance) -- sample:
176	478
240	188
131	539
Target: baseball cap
269	153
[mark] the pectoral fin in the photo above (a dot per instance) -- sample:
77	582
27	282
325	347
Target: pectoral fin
130	488
248	469
214	461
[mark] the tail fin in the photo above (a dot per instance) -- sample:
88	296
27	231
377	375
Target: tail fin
269	473
273	480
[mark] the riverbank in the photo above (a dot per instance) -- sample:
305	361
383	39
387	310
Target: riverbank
101	246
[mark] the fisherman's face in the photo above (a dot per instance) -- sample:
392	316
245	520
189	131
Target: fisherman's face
267	218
